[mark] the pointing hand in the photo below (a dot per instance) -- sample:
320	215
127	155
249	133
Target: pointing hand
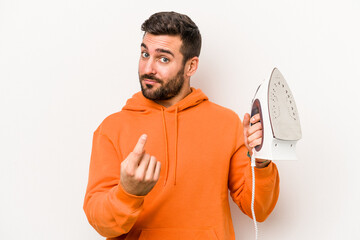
139	171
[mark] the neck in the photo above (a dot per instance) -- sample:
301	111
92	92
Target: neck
169	102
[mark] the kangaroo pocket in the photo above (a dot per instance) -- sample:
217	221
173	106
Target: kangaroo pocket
178	234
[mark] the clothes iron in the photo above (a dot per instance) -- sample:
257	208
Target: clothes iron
279	118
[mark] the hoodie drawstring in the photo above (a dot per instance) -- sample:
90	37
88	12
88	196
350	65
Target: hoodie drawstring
176	142
166	145
166	148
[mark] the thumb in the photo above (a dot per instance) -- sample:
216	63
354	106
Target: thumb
246	121
246	126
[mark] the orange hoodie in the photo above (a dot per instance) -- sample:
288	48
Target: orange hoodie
201	148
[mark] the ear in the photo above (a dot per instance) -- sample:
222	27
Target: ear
191	66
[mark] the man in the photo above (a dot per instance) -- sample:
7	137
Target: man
161	168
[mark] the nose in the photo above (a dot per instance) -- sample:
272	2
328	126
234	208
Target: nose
149	67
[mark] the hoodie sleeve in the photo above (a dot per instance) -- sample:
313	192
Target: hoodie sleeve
240	182
109	209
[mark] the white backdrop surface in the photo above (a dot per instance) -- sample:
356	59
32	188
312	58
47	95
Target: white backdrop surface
66	65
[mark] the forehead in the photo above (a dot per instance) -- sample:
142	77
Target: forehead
166	42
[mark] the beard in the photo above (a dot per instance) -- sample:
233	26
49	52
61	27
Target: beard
166	90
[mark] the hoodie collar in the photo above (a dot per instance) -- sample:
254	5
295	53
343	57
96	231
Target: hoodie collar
139	103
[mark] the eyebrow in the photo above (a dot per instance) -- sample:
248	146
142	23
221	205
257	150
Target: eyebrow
159	50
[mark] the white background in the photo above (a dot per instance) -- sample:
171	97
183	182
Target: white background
66	65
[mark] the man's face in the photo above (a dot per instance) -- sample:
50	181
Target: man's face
161	70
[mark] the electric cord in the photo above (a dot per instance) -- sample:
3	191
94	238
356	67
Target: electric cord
253	164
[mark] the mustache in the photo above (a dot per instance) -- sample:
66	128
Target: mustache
152	77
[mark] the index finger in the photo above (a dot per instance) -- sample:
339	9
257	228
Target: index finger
139	147
254	119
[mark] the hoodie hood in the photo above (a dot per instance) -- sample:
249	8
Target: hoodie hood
138	103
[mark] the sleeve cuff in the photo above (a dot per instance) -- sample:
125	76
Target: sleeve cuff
133	201
265	172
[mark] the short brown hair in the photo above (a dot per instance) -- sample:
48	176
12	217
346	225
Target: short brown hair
172	23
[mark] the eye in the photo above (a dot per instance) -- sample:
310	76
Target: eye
145	55
164	60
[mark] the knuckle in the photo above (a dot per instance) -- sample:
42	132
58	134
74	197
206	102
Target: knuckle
129	173
135	154
122	164
139	178
148	179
